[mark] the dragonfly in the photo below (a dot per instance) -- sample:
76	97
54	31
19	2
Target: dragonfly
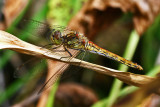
76	40
71	39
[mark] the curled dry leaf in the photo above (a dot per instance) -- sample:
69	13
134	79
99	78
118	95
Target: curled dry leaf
80	96
8	41
10	10
139	96
151	101
105	12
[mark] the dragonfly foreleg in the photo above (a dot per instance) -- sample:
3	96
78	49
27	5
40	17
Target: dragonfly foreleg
51	48
58	50
67	51
47	45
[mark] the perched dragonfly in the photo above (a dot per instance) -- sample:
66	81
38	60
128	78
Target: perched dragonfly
63	36
75	40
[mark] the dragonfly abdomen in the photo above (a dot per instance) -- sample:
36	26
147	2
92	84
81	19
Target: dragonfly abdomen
100	51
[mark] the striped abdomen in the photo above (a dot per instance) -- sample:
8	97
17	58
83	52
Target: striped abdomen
100	51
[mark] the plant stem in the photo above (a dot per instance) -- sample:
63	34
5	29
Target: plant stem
128	54
50	102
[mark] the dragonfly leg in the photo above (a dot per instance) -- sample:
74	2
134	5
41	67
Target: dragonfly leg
56	47
47	45
50	48
67	51
58	50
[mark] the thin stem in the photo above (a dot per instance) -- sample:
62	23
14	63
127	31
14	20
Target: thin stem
50	102
128	54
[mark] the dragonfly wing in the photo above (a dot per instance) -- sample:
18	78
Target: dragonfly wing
42	29
52	79
34	24
31	66
21	69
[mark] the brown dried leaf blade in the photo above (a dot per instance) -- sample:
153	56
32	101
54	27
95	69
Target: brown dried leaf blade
8	41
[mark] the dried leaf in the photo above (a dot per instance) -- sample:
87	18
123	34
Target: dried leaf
8	41
96	14
151	101
140	95
80	96
11	10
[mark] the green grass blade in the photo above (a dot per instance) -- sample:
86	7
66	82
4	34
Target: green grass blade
129	52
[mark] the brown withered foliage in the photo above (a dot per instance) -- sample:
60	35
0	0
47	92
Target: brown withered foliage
11	9
151	101
97	14
74	95
143	96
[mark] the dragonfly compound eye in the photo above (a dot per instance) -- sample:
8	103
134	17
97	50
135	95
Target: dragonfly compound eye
57	34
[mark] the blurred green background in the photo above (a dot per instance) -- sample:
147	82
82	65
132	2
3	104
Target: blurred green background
115	39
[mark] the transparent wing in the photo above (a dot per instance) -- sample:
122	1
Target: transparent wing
55	76
41	26
23	67
53	79
39	33
29	66
42	30
21	70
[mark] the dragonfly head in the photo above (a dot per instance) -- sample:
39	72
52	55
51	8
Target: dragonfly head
56	37
56	34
